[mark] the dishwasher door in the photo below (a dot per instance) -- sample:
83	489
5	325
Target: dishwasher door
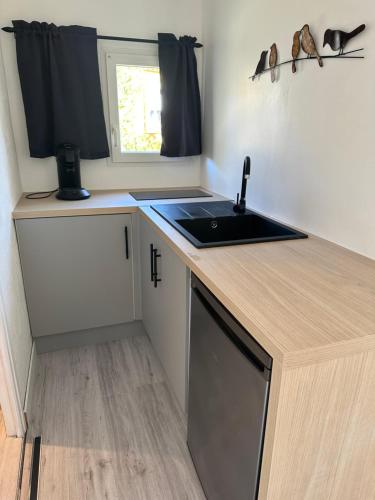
229	377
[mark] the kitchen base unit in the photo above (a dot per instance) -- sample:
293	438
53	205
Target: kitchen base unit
78	272
165	307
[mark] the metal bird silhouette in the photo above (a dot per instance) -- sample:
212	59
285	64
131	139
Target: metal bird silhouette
261	64
296	48
337	39
308	44
273	61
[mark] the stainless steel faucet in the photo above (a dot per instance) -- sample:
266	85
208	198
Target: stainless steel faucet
240	206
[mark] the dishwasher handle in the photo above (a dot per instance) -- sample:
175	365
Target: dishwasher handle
232	329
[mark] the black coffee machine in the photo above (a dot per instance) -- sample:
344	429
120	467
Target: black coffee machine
68	170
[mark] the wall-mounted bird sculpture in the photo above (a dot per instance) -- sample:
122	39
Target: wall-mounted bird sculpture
273	61
337	39
308	44
261	64
296	48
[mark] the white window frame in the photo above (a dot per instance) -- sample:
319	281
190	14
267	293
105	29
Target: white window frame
112	60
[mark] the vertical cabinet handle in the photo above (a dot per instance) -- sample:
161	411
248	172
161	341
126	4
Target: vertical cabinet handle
126	242
154	255
152	262
156	278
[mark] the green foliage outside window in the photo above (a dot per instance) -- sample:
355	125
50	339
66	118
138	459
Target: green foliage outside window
139	105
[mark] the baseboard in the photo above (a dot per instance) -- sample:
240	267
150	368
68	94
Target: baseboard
31	380
82	338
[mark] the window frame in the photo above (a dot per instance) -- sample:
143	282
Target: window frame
129	59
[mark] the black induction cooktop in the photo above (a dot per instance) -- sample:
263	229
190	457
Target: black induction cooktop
169	194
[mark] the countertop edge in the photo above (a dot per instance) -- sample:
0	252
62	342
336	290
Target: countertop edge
39	214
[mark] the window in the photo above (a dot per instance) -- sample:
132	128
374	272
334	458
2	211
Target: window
134	106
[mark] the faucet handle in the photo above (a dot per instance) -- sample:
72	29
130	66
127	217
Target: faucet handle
238	198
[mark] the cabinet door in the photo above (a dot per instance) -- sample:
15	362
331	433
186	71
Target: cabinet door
77	272
165	309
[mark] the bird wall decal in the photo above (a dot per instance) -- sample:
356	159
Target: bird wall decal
273	61
338	39
308	44
303	38
261	64
296	48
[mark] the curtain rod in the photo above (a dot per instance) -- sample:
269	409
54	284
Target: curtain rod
8	29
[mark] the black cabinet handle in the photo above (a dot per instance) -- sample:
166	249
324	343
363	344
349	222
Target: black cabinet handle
126	242
156	256
152	261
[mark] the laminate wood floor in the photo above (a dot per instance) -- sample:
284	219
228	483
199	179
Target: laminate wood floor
111	429
10	456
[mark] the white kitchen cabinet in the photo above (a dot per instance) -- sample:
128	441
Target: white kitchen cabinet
165	307
77	271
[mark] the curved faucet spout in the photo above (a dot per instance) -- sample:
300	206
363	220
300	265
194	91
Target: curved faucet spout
240	206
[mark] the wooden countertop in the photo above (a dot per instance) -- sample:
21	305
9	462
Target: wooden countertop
100	203
305	301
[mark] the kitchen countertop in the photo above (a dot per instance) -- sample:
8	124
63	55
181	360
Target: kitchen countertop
103	202
305	301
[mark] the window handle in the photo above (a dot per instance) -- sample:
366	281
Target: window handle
114	138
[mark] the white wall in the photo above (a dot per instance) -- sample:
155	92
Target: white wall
12	299
311	135
133	18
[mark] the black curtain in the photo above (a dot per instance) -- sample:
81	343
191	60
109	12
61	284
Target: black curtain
59	75
181	105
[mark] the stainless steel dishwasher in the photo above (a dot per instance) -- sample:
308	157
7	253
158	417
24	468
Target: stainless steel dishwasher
229	378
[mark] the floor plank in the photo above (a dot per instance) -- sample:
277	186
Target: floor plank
111	429
10	455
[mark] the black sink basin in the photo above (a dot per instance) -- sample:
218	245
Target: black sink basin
233	228
213	224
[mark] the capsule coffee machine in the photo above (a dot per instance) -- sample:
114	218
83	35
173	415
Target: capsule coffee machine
69	174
